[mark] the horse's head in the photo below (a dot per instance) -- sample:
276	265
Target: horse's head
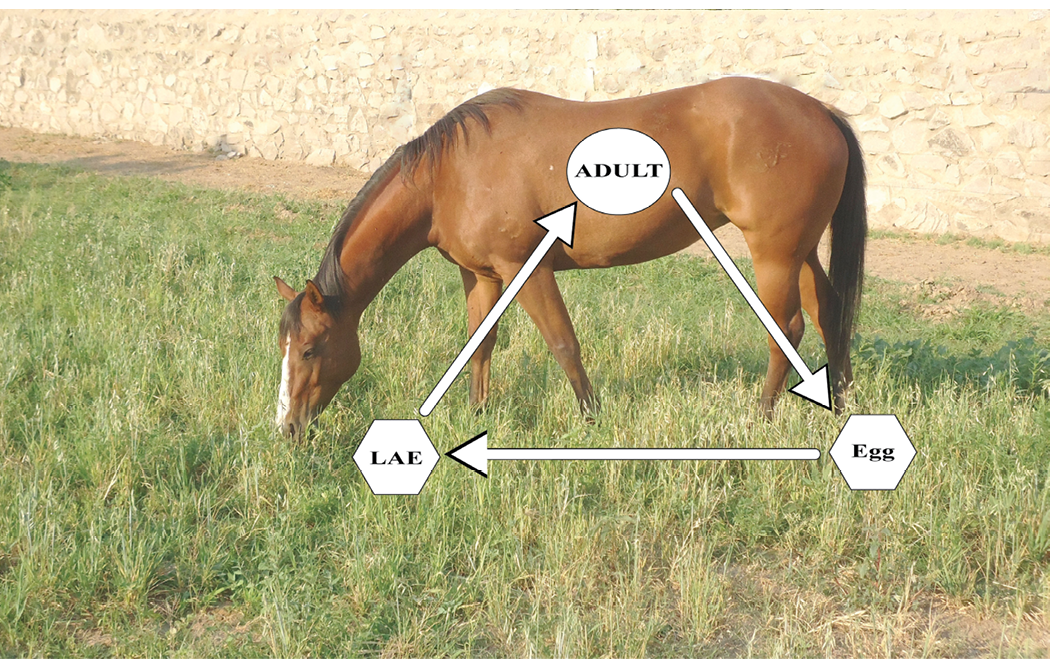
320	353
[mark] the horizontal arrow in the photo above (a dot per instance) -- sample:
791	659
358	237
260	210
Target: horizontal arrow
814	385
559	225
475	454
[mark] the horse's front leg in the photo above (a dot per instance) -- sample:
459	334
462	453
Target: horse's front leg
482	294
542	300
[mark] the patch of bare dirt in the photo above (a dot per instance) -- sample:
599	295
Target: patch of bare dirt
196	168
218	625
949	301
95	637
923	625
975	274
955	275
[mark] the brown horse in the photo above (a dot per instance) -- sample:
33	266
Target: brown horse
775	162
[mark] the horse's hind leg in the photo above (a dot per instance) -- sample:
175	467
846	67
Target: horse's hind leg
542	300
482	294
822	304
777	279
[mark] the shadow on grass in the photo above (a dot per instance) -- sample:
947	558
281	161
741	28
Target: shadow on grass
688	371
1020	363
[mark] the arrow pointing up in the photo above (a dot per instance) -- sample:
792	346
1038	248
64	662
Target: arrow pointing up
814	385
560	225
475	454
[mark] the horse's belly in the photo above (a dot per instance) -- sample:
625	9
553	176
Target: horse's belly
602	241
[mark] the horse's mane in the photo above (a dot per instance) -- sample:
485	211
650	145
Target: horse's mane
429	147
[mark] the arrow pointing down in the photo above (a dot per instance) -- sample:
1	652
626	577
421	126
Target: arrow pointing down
814	385
560	225
475	454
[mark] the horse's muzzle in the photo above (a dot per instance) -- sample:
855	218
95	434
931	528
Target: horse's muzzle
296	428
293	430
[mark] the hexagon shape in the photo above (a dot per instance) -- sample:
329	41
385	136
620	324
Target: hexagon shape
872	452
396	457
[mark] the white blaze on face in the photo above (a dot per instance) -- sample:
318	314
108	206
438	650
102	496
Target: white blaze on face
284	397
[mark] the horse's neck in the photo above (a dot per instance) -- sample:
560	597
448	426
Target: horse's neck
391	230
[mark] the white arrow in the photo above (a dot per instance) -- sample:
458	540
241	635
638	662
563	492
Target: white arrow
475	454
814	385
559	225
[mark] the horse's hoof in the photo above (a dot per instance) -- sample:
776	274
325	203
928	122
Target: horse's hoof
590	411
767	409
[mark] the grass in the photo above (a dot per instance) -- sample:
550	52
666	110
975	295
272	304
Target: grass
957	239
148	509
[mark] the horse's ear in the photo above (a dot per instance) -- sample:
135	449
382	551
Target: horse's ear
313	299
287	292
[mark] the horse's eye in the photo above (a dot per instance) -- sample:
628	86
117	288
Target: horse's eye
307	354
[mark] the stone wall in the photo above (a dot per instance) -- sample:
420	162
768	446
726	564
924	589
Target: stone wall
952	108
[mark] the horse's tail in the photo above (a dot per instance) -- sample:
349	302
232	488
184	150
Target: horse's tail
849	230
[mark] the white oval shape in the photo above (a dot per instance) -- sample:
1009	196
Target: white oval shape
618	171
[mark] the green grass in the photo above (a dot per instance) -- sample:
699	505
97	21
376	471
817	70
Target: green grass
969	241
148	509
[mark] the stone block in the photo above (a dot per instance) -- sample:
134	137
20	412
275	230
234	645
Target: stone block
341	145
989	138
627	62
953	141
892	106
1027	134
729	55
970	224
1017	80
877	198
891	165
852	102
1038	189
932	81
269	147
913	101
1010	230
976	166
321	157
1037	163
910	137
580	83
928	162
951	174
266	127
925	50
584	46
974	116
925	218
108	114
965	98
979	184
760	52
1009	164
